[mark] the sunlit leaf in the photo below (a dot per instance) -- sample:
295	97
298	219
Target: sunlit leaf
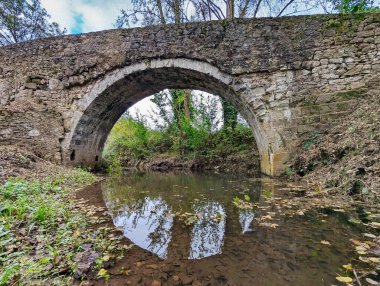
347	267
344	279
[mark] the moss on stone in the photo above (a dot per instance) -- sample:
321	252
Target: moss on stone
348	94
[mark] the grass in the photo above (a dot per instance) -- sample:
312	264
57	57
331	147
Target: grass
42	231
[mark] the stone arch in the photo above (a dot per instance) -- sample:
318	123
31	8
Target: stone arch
112	95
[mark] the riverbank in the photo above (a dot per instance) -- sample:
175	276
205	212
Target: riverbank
47	234
344	160
54	231
243	163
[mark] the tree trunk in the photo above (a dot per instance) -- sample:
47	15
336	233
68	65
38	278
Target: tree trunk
230	9
162	16
177	15
187	103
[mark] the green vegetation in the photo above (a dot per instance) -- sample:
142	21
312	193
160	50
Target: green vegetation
44	232
355	6
22	20
130	139
186	127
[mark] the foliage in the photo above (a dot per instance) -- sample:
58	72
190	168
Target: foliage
229	115
22	20
193	137
311	139
42	231
355	6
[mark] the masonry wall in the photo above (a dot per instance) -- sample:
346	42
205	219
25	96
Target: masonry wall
288	75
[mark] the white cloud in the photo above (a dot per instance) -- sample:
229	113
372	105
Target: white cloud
84	15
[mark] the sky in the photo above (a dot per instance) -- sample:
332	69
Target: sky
82	16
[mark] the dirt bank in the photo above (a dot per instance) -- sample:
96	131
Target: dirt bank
346	157
243	163
19	161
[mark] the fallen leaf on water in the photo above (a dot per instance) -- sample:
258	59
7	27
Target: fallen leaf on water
344	279
356	242
369	235
156	283
374	259
325	242
372	282
375	224
271	225
175	278
360	248
152	266
347	267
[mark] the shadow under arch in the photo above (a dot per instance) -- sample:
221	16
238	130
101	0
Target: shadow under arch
112	95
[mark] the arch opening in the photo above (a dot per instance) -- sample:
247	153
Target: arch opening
111	96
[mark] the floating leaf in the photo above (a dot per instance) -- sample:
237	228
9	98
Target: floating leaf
354	221
344	279
156	283
347	267
247	198
375	224
374	259
271	225
372	282
369	235
360	248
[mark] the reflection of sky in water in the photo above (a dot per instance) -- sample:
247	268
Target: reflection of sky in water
207	235
245	218
143	204
147	225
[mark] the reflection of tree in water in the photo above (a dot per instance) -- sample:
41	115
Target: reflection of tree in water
142	205
207	234
148	224
245	218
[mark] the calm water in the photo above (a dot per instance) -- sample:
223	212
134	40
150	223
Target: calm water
223	242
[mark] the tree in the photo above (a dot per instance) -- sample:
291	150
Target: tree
354	6
22	20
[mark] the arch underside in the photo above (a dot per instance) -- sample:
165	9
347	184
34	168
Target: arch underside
93	127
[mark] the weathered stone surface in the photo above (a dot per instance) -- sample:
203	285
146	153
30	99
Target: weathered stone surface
61	96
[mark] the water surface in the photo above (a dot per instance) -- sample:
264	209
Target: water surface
189	221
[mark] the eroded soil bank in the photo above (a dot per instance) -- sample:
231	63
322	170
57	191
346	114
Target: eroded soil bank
343	160
240	163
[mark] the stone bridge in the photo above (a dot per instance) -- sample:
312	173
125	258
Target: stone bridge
61	96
